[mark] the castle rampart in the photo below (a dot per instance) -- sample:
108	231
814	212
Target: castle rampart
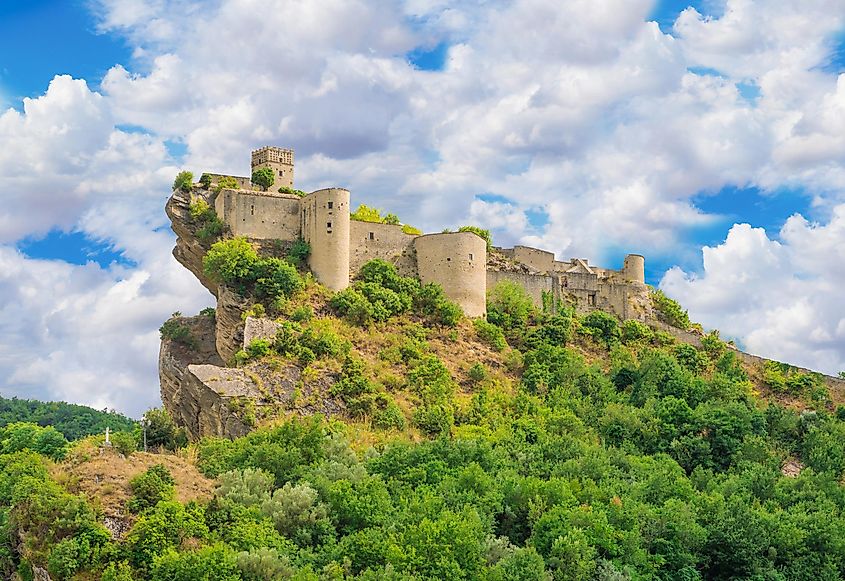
368	240
458	262
455	260
325	226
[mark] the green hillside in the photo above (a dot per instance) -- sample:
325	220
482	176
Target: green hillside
73	421
538	445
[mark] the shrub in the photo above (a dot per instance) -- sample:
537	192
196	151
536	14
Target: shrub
690	358
434	419
289	190
478	372
275	278
162	431
150	487
298	514
205	180
299	253
124	442
263	177
184	181
670	310
226	183
490	334
389	416
366	214
408	229
178	332
635	331
509	307
602	326
302	314
258	348
480	232
231	262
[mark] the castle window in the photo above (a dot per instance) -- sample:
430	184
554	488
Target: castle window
372	235
448	260
252	210
328	224
470	256
591	299
281	172
331	205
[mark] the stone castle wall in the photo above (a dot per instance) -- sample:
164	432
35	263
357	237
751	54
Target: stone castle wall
534	284
368	240
325	226
260	215
539	260
458	262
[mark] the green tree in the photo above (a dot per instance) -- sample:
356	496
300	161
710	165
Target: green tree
150	487
184	181
263	177
480	232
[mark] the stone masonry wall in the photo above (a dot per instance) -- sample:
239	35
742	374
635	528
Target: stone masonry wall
368	240
534	284
260	215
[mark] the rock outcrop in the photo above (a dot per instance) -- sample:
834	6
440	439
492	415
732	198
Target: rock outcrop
188	251
230	325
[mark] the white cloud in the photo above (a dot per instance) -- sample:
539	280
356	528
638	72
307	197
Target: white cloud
782	298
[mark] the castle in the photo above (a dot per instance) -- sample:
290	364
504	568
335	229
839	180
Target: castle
458	261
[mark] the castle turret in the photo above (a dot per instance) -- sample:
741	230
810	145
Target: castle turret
633	268
458	262
277	159
324	217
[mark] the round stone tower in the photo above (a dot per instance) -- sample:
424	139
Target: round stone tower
457	261
324	217
633	268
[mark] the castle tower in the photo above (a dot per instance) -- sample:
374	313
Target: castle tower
633	268
277	159
324	220
457	261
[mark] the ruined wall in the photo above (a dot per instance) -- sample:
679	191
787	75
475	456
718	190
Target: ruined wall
325	225
537	259
368	240
534	284
264	215
458	262
244	183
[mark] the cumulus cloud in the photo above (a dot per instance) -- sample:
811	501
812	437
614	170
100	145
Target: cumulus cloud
582	111
781	297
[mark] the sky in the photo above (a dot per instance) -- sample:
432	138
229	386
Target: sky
708	136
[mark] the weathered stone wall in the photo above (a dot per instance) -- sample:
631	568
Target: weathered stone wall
458	262
537	259
243	182
260	215
280	162
534	284
325	225
386	241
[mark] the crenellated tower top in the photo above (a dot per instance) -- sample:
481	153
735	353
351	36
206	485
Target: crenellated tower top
277	159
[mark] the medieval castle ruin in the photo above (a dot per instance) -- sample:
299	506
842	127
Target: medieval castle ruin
458	261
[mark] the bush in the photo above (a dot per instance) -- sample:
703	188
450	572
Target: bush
162	431
289	190
231	262
509	307
275	278
602	327
408	229
481	233
226	183
389	416
635	331
366	214
150	487
175	330
299	253
124	442
490	334
263	177
434	420
184	181
670	310
478	372
302	314
205	180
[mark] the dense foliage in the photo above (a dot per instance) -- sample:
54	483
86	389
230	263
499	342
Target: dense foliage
184	181
670	310
209	226
71	420
263	177
380	293
235	263
365	213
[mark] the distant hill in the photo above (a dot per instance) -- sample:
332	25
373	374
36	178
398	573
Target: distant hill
73	421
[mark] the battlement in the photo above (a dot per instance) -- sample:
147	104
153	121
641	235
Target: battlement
270	154
457	261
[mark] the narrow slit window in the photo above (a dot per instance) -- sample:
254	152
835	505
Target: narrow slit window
328	224
331	205
252	210
372	235
470	256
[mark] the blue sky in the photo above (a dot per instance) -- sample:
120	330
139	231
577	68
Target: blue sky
713	145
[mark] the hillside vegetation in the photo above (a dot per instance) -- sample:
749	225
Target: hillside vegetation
533	445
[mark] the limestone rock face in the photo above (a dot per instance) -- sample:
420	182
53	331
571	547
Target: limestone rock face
196	389
189	251
230	325
259	328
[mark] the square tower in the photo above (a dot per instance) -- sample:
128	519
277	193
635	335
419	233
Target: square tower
277	159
